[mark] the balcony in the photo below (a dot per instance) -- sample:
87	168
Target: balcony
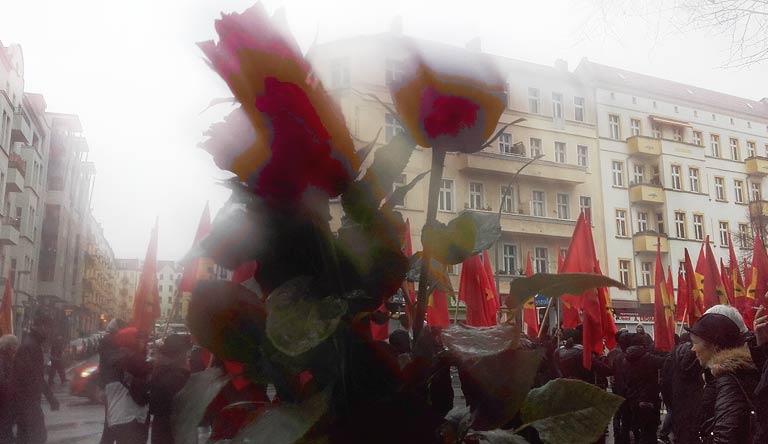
21	131
14	182
646	295
646	194
9	232
644	146
757	166
645	242
758	208
508	165
521	223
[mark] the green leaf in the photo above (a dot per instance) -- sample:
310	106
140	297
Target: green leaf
554	285
456	425
398	194
487	228
389	161
363	152
192	401
285	423
297	320
498	437
438	275
568	410
452	243
467	342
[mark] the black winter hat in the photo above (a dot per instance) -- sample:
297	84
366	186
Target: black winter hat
718	330
175	345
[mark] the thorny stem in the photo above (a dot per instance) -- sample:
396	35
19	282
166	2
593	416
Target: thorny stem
438	158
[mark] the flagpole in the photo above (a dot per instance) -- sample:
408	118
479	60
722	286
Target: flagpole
685	313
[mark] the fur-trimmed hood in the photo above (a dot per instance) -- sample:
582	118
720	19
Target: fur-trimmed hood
731	360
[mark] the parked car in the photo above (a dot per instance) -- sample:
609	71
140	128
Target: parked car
85	382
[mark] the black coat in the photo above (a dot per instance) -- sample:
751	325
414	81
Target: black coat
167	380
28	379
726	406
641	375
6	402
760	358
684	386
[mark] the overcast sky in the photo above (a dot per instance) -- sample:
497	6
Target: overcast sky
132	72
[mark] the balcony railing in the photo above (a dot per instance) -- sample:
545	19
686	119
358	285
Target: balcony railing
17	162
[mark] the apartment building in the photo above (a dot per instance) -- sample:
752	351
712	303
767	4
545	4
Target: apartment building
680	163
128	272
540	210
168	278
99	278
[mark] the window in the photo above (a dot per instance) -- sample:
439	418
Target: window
393	71
585	206
714	142
680	224
162	276
563	206
698	227
537	202
744	235
693	178
676	183
613	124
339	73
557	106
677	134
732	121
719	188
697	138
634	126
560	152
714	117
639	173
624	276
476	196
660	223
578	108
535	147
677	110
634	100
734	144
445	203
541	263
400	181
160	288
642	221
392	127
655	105
766	149
755	191
724	233
618	173
621	223
656	131
505	143
738	188
534	100
751	148
645	273
582	152
695	113
509	258
508	199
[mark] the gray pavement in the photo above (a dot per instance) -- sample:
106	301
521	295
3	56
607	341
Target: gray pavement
78	421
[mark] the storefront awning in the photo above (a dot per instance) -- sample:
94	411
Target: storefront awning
668	121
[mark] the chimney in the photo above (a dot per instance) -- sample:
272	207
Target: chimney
475	45
396	25
561	65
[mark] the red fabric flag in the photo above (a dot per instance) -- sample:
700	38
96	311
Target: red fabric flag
671	292
697	290
737	282
245	272
6	308
477	294
146	302
492	283
530	317
608	323
681	310
580	258
560	259
663	336
198	268
714	292
760	270
437	309
727	283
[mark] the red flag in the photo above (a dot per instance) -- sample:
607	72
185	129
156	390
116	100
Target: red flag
245	271
6	308
671	291
727	283
663	336
559	259
697	290
714	292
492	283
681	310
198	268
609	325
146	303
760	270
477	294
737	282
530	317
437	309
580	258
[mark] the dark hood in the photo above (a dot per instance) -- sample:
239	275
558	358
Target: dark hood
635	353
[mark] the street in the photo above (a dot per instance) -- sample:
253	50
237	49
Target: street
79	420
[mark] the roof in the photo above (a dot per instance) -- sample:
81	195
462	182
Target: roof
633	81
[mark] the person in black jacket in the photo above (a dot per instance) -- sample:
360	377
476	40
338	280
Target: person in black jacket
57	360
731	377
641	376
168	378
28	382
759	351
622	420
682	388
8	346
